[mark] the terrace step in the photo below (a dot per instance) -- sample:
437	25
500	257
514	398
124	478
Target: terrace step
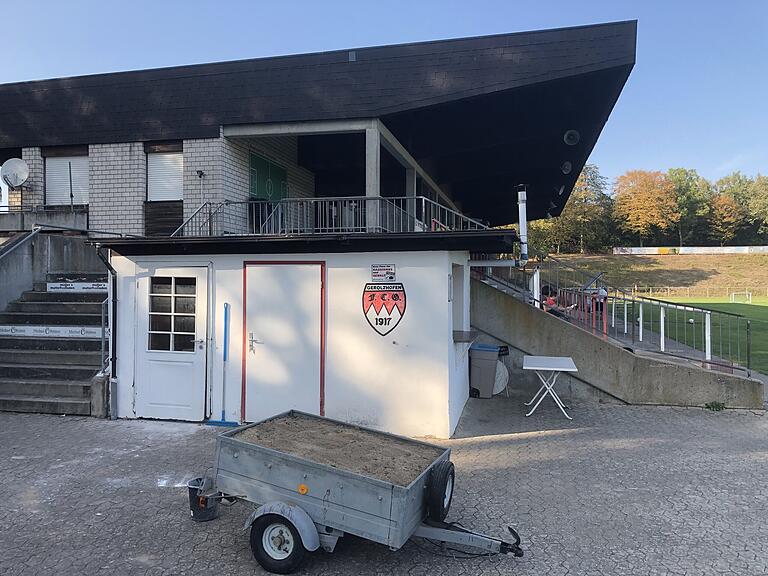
42	296
55	307
53	344
47	371
45	357
45	388
45	405
50	319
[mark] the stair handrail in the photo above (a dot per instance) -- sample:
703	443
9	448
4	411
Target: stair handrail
5	250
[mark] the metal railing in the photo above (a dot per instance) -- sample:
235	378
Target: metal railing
714	339
347	215
105	354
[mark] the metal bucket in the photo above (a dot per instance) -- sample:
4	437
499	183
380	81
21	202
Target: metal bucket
202	508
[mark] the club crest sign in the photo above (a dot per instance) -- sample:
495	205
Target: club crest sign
383	306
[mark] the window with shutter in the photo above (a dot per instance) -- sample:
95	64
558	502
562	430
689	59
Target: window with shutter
66	180
165	176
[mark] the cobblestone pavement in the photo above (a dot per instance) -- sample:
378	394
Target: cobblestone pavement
620	490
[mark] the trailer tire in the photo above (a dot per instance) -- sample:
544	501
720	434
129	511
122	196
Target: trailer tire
440	490
276	544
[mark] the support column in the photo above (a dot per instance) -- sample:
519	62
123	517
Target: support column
372	178
410	192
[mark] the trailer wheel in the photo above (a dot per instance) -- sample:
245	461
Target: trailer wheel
440	490
276	544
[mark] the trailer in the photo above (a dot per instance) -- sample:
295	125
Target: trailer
310	485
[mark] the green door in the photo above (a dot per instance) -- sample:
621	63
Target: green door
268	180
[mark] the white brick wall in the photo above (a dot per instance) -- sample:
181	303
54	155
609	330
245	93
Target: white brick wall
117	187
33	193
118	177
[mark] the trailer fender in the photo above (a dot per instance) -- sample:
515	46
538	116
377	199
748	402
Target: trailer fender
296	516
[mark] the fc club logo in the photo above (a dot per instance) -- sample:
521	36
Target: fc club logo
383	306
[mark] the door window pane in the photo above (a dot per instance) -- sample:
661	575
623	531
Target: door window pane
184	342
172	317
159	323
159	303
184	324
159	341
185	305
185	286
160	285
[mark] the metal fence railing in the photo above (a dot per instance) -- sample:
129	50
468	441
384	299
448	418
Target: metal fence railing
714	339
713	291
356	214
105	353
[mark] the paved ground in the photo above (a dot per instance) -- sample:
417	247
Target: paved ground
620	490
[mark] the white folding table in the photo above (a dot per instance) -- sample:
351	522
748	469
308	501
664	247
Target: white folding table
548	368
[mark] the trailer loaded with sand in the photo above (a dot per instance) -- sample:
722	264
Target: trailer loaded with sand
314	479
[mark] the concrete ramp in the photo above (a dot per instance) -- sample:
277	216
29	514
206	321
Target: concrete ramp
602	364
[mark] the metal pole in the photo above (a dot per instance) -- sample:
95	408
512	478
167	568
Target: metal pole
625	316
708	335
662	315
640	329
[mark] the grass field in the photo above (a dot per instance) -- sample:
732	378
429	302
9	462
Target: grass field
757	313
697	273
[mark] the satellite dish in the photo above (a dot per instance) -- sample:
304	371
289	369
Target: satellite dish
14	172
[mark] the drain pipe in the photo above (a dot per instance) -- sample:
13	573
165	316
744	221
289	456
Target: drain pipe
522	218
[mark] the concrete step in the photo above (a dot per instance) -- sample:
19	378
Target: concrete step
50	319
40	357
55	307
33	343
45	405
47	371
42	296
47	388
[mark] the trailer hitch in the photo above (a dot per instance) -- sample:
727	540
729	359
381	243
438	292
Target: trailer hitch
514	547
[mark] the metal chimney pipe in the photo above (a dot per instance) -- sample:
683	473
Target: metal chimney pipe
522	224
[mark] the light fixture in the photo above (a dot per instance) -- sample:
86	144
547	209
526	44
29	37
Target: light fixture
566	167
560	190
571	137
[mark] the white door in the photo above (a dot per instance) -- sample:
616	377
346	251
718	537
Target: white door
171	344
283	315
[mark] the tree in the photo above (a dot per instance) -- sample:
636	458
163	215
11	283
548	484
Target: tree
758	204
645	203
726	217
584	224
693	194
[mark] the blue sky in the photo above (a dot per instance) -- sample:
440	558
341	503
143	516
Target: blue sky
696	98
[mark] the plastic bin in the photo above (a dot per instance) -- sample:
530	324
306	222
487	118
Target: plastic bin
482	368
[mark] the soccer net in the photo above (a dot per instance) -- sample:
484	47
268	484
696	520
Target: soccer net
741	297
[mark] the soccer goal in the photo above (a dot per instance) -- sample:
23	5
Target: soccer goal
741	297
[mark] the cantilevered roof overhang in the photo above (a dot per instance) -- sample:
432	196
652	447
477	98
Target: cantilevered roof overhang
483	241
481	115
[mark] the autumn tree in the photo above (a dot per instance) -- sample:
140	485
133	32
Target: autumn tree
693	195
645	203
758	204
725	219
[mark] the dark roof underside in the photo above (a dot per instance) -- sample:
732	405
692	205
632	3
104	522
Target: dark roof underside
482	114
489	242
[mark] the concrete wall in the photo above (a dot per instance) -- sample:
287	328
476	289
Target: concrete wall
609	368
44	254
408	382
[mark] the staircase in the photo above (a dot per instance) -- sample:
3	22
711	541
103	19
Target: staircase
50	374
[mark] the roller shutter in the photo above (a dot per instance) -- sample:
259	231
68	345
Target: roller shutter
57	180
164	176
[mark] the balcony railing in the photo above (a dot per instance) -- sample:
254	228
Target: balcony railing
347	215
